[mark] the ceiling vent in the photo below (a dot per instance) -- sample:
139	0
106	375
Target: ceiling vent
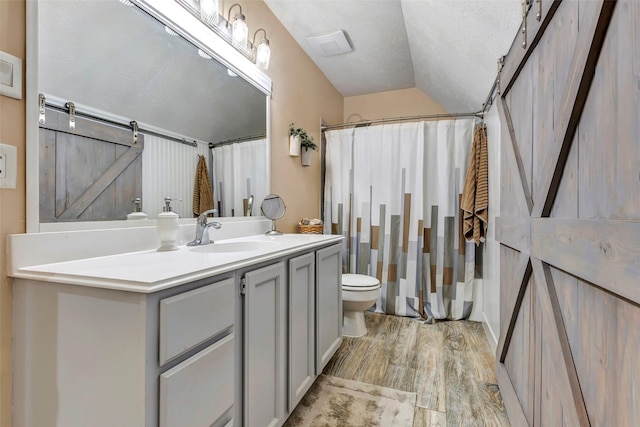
330	44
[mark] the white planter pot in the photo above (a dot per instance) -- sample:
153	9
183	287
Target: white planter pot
306	157
294	145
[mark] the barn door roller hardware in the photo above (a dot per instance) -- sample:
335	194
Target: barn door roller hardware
134	128
500	65
41	108
525	9
72	115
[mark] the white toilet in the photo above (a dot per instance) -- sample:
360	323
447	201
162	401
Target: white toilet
359	293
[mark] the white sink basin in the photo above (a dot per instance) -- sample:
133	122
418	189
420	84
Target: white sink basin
228	247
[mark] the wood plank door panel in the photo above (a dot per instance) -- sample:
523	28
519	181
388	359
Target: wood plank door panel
90	173
519	355
47	180
570	229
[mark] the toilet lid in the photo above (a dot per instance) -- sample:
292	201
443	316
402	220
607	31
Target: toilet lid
359	282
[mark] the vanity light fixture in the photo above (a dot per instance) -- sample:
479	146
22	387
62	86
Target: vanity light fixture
239	29
209	11
263	51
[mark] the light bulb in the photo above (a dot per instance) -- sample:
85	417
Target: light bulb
263	54
209	11
240	32
203	54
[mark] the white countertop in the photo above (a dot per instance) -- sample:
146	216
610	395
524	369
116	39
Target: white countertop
151	270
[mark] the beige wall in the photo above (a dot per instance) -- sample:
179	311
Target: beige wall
301	94
12	202
394	103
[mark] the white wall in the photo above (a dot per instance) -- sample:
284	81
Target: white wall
169	169
491	248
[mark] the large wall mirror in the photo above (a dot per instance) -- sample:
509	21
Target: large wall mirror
155	64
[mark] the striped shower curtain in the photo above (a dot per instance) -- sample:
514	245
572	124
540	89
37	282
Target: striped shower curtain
239	171
394	192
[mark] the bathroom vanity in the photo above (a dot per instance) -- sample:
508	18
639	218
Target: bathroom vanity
232	333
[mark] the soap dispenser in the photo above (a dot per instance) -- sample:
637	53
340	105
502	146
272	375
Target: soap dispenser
167	226
137	210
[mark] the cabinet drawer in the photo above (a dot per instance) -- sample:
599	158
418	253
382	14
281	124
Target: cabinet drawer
200	390
190	318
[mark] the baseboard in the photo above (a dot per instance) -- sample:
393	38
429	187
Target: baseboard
477	310
491	336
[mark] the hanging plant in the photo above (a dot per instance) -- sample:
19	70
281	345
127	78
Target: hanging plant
295	140
307	143
293	131
299	138
309	146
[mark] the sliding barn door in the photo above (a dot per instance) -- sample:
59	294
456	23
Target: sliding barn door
570	226
90	173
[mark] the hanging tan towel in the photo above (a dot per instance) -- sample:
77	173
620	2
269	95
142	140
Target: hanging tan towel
475	195
202	192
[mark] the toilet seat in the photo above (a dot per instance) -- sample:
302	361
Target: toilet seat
359	283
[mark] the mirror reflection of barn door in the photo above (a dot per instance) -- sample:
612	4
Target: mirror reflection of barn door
570	225
90	173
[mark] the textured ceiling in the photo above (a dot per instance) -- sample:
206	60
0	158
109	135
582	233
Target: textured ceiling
446	48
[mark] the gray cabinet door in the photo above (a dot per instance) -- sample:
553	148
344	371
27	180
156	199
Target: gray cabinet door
265	346
301	326
328	304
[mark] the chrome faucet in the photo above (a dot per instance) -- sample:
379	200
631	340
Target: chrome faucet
247	212
202	237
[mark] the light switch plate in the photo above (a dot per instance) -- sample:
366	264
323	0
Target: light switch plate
10	75
8	166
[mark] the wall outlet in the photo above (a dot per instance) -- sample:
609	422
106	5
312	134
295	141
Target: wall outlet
8	166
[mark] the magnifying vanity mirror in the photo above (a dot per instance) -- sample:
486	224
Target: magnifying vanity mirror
129	96
273	207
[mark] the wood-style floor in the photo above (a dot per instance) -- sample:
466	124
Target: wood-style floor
449	365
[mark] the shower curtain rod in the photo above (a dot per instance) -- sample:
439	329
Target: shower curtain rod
236	140
480	114
405	118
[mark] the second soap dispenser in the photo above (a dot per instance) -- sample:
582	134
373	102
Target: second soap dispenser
167	226
137	210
